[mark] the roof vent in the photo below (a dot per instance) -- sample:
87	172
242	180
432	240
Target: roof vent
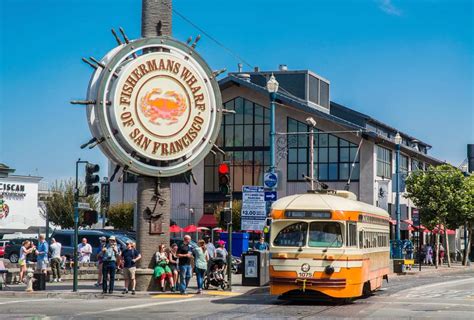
283	67
243	76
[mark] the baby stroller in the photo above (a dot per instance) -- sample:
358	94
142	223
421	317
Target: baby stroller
215	275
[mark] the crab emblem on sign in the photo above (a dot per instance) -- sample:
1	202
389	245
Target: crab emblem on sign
166	106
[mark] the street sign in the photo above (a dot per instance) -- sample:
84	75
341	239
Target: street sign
253	212
270	196
270	180
83	205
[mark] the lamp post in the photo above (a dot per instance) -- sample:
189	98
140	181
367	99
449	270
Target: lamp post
398	141
312	123
272	88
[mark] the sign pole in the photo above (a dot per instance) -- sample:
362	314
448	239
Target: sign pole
76	226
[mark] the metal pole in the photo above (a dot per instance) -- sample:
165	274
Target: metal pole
229	256
76	226
397	200
311	141
272	132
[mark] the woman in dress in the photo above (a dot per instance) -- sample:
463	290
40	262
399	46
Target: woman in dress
200	263
162	270
173	262
26	248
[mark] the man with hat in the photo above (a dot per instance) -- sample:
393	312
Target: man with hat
130	256
103	244
109	264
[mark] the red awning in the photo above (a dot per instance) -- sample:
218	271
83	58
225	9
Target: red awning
190	228
448	231
175	228
207	220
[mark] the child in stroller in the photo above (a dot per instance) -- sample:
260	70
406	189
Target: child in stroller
215	275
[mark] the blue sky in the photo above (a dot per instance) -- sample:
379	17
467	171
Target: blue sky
406	63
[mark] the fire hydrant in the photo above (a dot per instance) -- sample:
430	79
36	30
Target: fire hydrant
29	280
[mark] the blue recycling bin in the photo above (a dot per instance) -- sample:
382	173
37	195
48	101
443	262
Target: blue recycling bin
240	242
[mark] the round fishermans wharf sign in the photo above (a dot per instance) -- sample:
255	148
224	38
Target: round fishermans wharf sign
157	107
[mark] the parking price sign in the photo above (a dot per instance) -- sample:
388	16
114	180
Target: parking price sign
253	212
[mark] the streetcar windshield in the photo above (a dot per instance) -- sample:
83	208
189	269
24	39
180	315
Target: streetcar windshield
325	234
293	235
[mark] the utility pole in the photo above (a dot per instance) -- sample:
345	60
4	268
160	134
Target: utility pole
156	21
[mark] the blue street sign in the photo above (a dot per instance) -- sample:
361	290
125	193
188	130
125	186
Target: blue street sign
270	180
270	195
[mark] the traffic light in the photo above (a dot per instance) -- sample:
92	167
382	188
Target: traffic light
224	178
226	216
92	179
90	217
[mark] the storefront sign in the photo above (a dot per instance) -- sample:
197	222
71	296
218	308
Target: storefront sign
12	189
157	108
253	213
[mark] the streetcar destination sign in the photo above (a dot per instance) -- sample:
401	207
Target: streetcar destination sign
157	107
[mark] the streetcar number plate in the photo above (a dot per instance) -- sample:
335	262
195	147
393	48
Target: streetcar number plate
305	274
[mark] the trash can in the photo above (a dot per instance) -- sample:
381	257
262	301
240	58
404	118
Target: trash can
255	268
399	266
40	281
240	242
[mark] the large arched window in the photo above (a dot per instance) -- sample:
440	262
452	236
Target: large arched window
245	138
333	156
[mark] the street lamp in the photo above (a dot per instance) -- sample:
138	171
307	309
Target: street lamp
312	123
272	88
398	142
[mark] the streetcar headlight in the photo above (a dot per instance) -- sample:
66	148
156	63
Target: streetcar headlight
329	270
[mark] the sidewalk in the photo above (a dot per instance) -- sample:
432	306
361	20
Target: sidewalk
427	269
87	290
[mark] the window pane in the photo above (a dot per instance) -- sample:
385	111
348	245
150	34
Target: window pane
292	141
293	155
229	136
344	154
333	171
343	171
323	140
238	135
302	140
237	178
248	112
258	175
302	170
248	175
230	104
267	115
266	158
332	141
323	155
293	235
259	135
259	114
292	125
209	179
323	172
325	234
302	156
248	135
332	154
258	158
239	111
343	143
355	172
353	154
266	135
292	172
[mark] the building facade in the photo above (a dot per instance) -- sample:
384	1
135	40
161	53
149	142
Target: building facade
352	150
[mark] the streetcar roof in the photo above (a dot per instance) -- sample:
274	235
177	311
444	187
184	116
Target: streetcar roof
322	201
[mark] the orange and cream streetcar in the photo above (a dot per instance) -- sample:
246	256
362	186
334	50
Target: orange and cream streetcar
328	244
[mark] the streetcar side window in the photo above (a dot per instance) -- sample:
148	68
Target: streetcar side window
351	235
293	235
361	239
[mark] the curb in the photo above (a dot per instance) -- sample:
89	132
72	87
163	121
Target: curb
260	290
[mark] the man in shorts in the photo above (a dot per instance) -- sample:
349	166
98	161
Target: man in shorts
130	256
42	254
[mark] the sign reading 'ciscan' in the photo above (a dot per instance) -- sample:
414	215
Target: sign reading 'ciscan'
157	108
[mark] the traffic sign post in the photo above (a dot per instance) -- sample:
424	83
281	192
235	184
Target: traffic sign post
270	196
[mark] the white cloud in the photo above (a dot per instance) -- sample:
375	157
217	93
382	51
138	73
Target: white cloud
388	7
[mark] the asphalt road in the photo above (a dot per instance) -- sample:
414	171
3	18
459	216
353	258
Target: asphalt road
435	296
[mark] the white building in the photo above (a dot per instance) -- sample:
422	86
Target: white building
20	207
